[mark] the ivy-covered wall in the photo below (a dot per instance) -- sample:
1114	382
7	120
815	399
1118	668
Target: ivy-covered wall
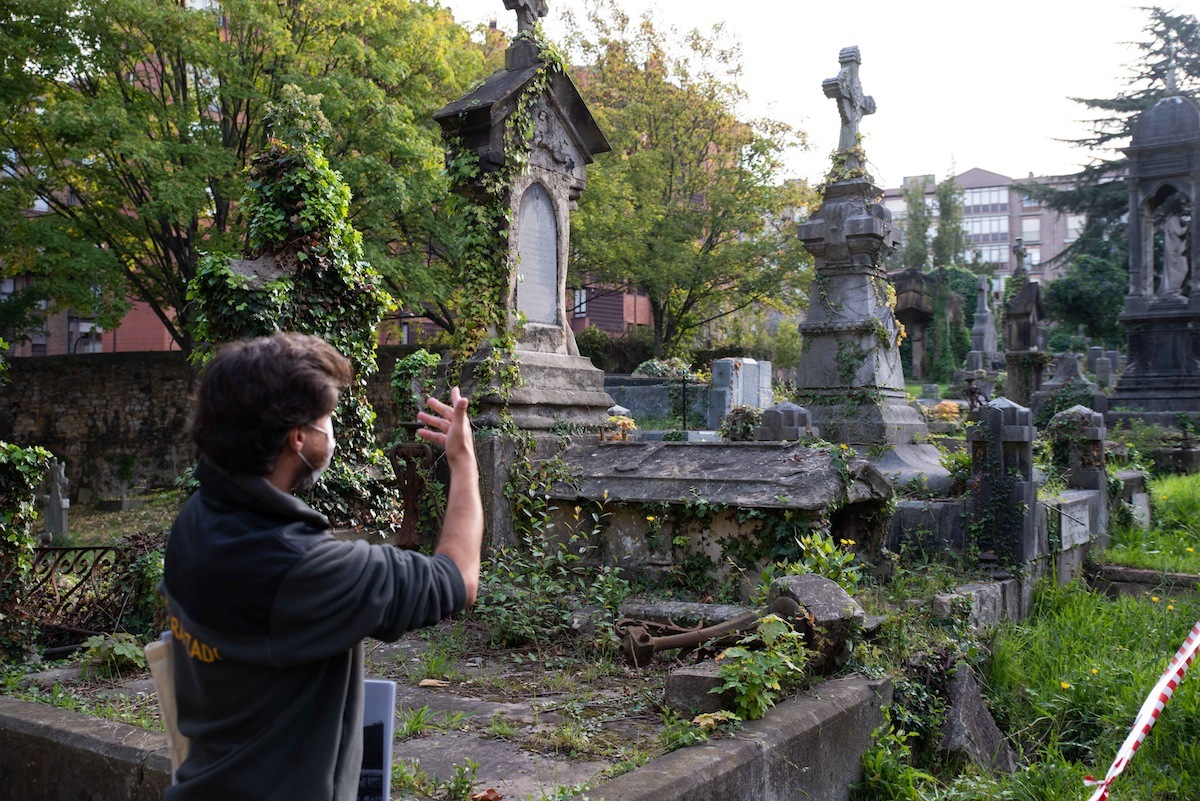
120	419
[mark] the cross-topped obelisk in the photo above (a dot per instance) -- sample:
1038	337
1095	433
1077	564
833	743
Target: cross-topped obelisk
849	376
853	105
528	12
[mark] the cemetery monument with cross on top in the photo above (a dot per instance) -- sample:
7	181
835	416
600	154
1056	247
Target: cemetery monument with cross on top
557	386
849	376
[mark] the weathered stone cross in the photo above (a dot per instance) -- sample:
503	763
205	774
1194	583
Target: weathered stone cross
853	105
528	12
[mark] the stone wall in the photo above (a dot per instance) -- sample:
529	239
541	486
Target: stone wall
119	420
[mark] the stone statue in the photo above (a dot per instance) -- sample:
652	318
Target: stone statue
1020	251
528	12
1175	260
56	499
853	105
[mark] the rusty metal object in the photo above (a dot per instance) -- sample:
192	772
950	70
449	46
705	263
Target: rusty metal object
407	458
639	646
77	592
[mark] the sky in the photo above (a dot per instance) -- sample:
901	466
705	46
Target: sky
957	85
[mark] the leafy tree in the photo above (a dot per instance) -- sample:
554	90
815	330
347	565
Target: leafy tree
916	226
1099	191
133	122
689	206
1091	294
950	240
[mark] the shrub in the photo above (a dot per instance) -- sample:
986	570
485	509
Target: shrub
21	472
413	381
739	423
664	368
763	668
946	412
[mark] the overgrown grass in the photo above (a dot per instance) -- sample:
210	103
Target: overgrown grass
87	525
1067	684
1173	544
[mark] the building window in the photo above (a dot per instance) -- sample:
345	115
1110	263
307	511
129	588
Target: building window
985	200
993	254
7	287
1031	229
987	229
1075	224
1034	257
1030	202
580	307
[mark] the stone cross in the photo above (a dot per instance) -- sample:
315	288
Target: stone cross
1020	251
853	105
528	12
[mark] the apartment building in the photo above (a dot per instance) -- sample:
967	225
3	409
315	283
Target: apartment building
995	215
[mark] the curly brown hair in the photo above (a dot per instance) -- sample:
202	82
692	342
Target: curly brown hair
256	390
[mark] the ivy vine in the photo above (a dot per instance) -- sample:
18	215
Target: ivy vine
484	264
313	279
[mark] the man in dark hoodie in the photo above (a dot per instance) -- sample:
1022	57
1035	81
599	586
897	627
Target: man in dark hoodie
268	610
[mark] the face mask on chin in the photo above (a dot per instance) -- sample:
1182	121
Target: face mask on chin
314	473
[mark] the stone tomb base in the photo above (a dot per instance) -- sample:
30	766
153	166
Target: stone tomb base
555	389
886	433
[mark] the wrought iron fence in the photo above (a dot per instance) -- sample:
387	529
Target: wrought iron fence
78	592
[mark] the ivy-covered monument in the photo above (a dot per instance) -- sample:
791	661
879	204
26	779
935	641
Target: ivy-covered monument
849	373
1162	308
303	270
518	150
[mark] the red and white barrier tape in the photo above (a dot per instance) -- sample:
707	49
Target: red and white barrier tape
1148	714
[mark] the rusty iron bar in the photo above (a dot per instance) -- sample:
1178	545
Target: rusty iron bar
407	458
639	646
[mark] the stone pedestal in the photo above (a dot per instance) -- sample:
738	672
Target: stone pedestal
1024	377
1163	371
849	375
556	389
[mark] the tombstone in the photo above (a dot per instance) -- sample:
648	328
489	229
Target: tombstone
749	383
929	392
1077	447
786	422
850	377
557	384
1093	353
1023	356
1162	307
1106	376
56	499
1069	378
914	310
1003	492
983	331
738	382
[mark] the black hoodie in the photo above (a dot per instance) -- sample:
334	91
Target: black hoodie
268	613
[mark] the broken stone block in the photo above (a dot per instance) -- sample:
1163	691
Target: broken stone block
688	690
827	618
970	731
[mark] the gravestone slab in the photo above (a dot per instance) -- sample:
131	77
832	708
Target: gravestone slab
538	296
970	730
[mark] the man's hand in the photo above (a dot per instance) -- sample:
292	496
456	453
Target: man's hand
462	526
450	429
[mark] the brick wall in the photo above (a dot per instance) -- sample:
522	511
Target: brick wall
119	420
